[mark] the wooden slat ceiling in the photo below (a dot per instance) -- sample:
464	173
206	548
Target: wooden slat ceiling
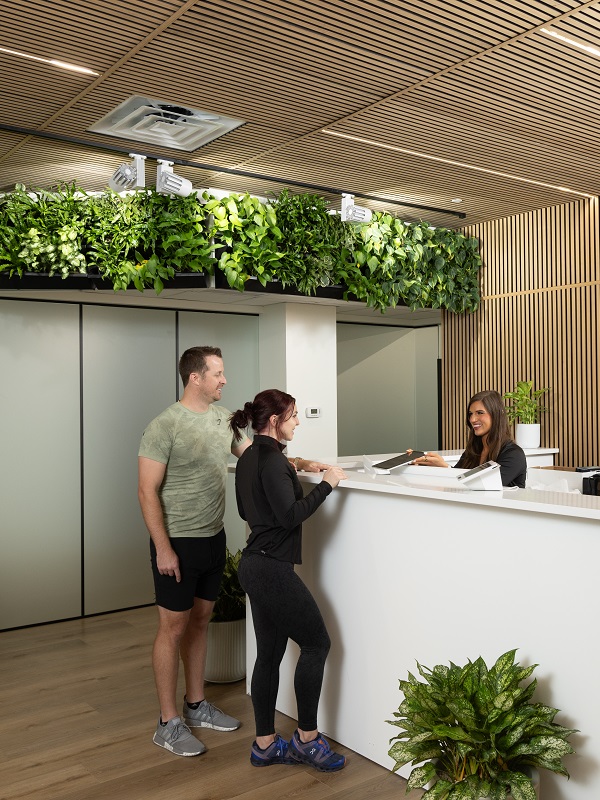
419	103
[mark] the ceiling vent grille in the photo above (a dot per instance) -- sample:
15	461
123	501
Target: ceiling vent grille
143	119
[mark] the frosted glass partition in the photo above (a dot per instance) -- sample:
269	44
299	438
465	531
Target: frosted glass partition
237	336
130	364
40	479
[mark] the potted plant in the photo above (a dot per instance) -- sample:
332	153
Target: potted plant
226	653
474	733
525	411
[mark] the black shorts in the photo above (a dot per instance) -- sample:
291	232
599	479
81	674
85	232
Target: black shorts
201	563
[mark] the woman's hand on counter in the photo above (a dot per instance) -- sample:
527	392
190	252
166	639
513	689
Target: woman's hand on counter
333	475
429	460
311	466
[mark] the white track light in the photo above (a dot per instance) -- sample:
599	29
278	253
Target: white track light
129	176
352	213
167	182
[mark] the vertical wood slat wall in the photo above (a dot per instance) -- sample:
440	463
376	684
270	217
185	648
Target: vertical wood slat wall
538	320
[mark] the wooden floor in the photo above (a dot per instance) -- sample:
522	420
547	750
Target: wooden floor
79	711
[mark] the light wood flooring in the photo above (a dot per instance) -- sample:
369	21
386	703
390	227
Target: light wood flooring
78	711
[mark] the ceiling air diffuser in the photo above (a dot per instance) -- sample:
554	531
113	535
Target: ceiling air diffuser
143	119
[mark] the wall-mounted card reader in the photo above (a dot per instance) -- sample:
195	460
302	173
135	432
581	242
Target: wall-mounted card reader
313	411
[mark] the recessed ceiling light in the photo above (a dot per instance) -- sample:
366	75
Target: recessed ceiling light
594	51
456	163
53	61
456	200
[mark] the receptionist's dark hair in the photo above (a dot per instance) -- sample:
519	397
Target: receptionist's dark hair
498	435
257	413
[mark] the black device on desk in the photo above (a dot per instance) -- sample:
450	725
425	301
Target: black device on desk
591	484
397	461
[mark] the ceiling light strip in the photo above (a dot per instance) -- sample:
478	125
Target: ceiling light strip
555	35
53	61
455	163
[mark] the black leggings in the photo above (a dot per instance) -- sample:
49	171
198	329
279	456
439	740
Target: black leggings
282	608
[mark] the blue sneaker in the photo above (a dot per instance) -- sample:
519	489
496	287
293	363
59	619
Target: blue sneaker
276	753
316	753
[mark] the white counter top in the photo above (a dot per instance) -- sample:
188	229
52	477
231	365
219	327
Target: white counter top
436	483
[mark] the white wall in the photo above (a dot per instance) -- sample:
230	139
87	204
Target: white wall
298	355
387	389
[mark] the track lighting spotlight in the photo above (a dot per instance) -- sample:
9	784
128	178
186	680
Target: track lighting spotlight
129	176
352	213
167	182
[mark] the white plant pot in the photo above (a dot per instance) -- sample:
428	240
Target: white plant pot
226	652
527	436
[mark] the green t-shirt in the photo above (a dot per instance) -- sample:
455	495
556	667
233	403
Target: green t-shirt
195	447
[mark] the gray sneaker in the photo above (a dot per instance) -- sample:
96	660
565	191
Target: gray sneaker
209	716
177	737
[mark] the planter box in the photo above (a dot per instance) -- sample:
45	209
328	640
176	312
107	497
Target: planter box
34	281
275	287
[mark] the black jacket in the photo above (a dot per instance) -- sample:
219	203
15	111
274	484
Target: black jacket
270	498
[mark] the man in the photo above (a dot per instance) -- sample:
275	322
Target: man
182	475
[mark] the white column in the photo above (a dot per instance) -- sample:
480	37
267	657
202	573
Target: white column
297	346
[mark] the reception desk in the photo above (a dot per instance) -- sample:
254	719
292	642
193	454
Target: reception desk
410	568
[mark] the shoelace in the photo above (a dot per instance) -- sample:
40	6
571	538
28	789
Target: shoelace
210	710
179	729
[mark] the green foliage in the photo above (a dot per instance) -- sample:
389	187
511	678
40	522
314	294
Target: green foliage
41	231
471	733
115	232
420	266
312	242
525	407
145	238
231	602
247	230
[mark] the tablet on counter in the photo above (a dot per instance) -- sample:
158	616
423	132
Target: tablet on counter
397	461
487	468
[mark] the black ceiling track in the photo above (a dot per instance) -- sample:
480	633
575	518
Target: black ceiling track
229	171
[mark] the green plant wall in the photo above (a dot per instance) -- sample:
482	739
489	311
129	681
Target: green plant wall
144	238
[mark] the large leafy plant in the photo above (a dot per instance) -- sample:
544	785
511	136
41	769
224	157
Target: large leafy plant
41	231
231	602
312	242
247	231
392	261
525	406
472	732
